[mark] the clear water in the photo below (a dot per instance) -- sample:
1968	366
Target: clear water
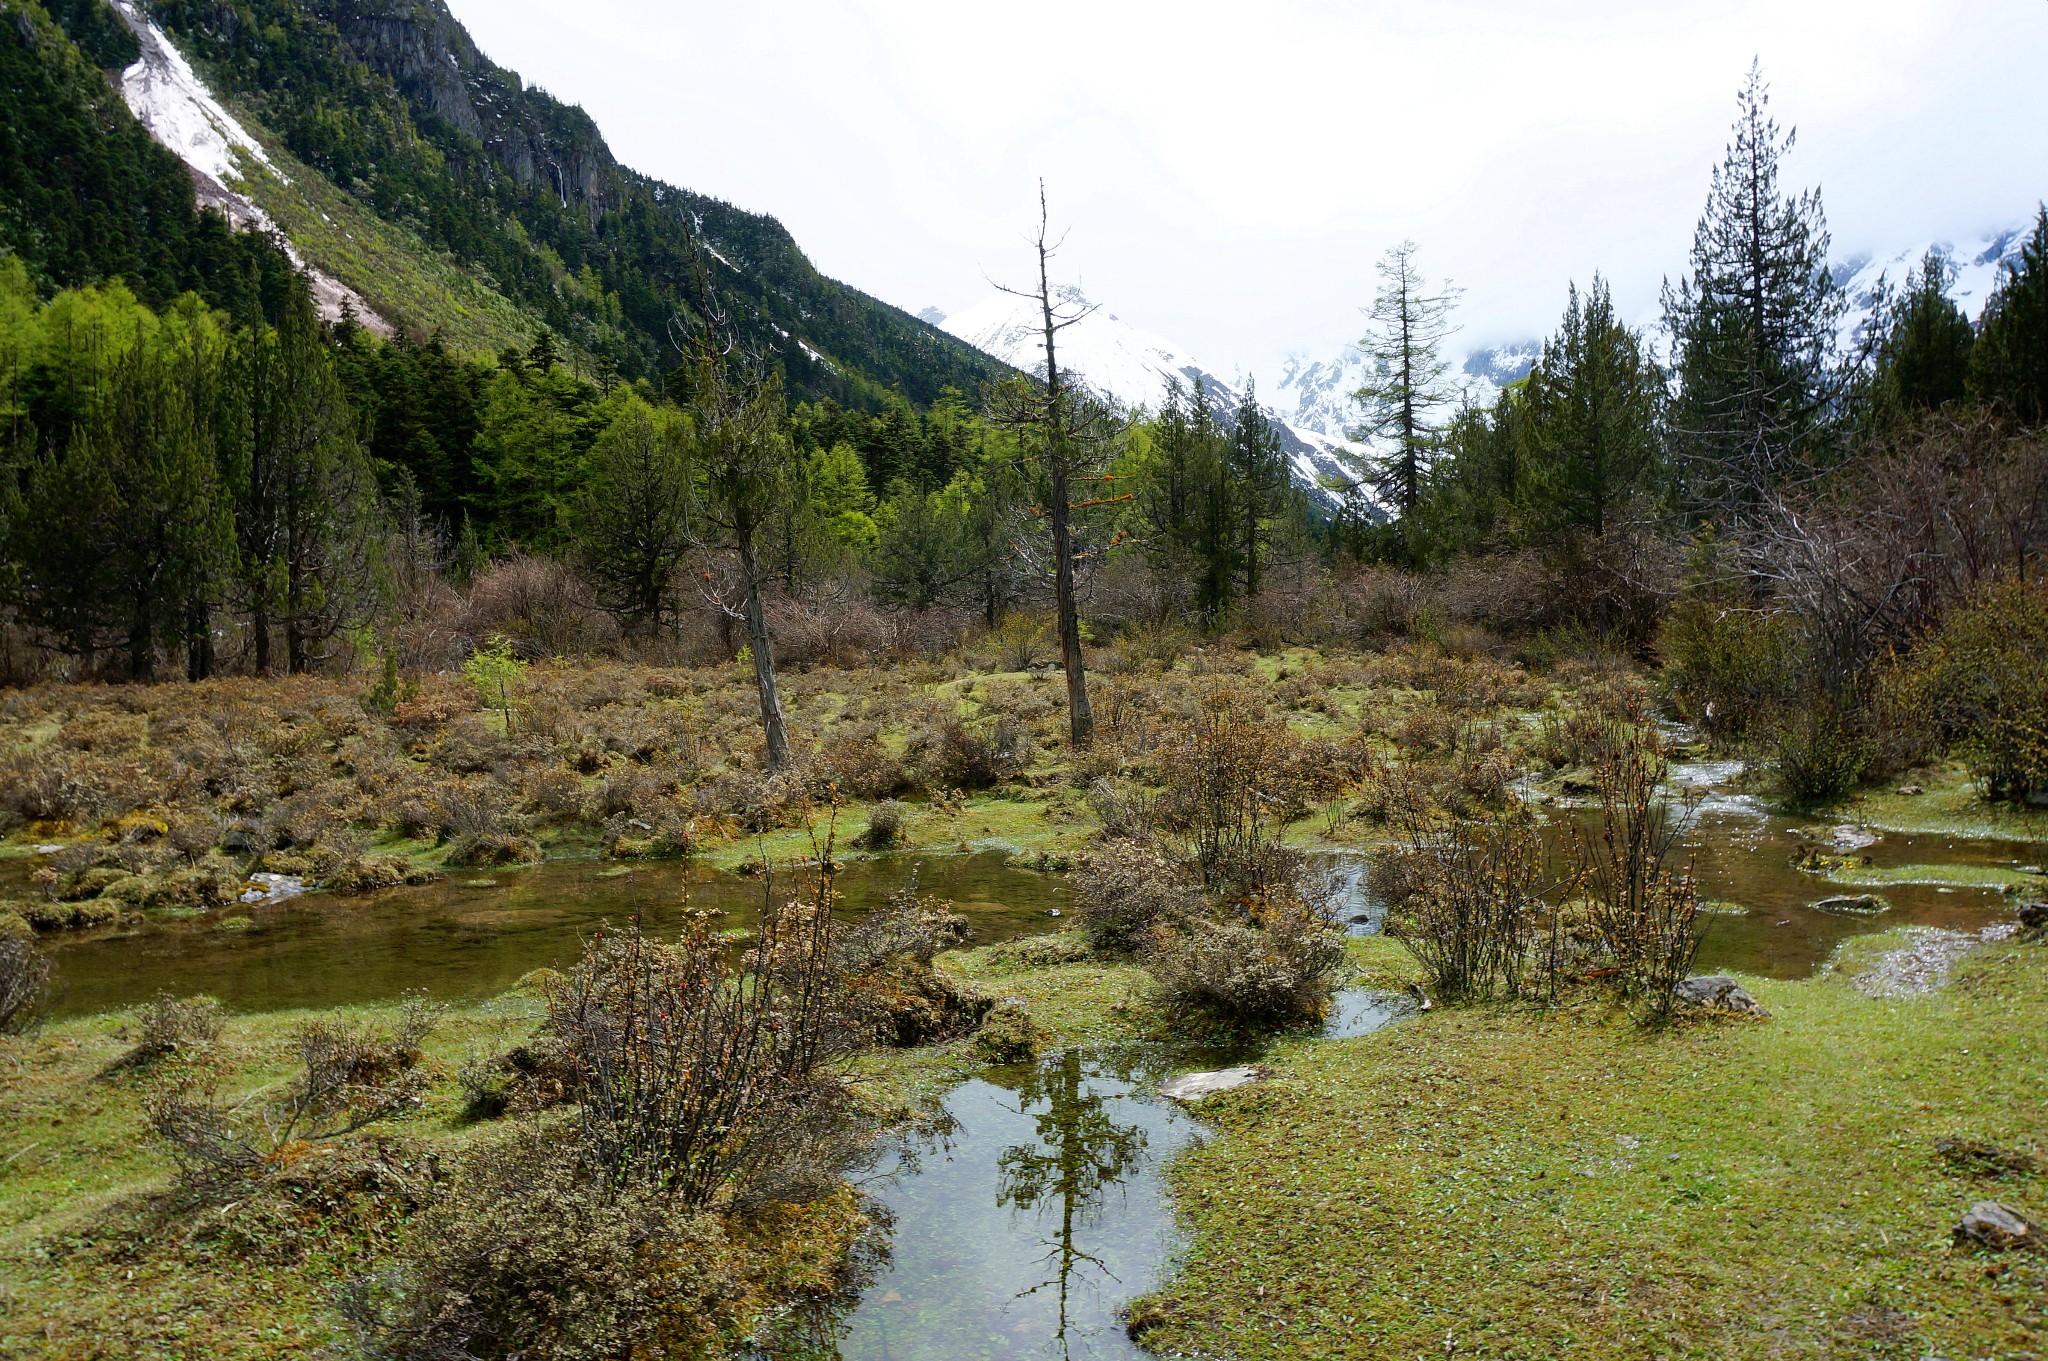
463	943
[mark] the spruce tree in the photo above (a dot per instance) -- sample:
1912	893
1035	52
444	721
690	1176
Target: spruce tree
1591	404
1259	486
1753	324
1922	358
2009	368
1408	384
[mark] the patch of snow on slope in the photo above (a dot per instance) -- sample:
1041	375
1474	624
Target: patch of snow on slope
167	97
1977	263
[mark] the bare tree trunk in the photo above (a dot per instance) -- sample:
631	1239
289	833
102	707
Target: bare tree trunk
762	648
259	630
1080	717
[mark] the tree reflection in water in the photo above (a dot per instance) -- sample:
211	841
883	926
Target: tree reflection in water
1081	1153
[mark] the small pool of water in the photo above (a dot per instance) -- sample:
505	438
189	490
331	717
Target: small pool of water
462	943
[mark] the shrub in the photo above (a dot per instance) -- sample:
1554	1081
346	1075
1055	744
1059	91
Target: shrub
1124	889
1247	976
527	1256
1729	663
893	996
1982	679
1232	782
24	982
960	755
1818	752
1644	902
697	1074
352	1076
885	827
177	1027
1465	898
1009	1035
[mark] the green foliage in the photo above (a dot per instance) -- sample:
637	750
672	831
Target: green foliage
632	519
493	671
1753	323
86	195
1982	679
520	190
1592	429
1922	361
1730	660
2009	366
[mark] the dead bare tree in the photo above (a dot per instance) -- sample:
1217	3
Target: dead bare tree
745	468
1066	433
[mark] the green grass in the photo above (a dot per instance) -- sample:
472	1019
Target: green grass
1953	805
1502	1183
1948	876
78	1170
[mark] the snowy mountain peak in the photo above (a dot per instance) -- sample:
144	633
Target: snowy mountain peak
1131	367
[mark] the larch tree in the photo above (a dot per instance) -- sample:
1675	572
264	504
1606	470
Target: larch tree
1407	384
1753	325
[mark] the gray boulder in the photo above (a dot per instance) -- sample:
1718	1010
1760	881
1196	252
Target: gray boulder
1195	1086
1998	1227
1853	905
1718	992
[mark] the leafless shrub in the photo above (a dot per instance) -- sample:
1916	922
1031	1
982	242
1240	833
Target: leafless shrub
1232	783
1124	889
541	605
1279	975
1466	898
353	1076
176	1027
697	1075
885	827
1645	903
962	755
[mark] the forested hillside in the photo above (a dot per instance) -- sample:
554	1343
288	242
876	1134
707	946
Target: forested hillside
84	193
392	102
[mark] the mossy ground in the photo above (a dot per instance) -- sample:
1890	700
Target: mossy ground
86	1271
1506	1183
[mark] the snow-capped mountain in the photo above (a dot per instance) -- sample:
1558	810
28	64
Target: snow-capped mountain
1315	394
1131	366
1977	263
167	97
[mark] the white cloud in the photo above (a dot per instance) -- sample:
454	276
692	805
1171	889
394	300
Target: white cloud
1230	172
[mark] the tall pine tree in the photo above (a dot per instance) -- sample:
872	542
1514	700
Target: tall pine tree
1753	324
1407	385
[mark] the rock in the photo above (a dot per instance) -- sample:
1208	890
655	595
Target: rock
48	849
1195	1086
1718	992
1909	790
1853	905
1998	1227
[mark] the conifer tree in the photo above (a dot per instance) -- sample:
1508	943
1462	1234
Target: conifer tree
1591	404
1753	323
2009	368
1259	485
1408	384
1922	355
301	487
632	520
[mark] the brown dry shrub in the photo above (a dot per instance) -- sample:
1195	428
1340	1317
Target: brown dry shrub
1124	889
1244	976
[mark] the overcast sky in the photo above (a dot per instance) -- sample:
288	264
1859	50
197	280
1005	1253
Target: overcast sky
1229	173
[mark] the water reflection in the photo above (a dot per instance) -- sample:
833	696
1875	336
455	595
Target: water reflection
1039	1213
